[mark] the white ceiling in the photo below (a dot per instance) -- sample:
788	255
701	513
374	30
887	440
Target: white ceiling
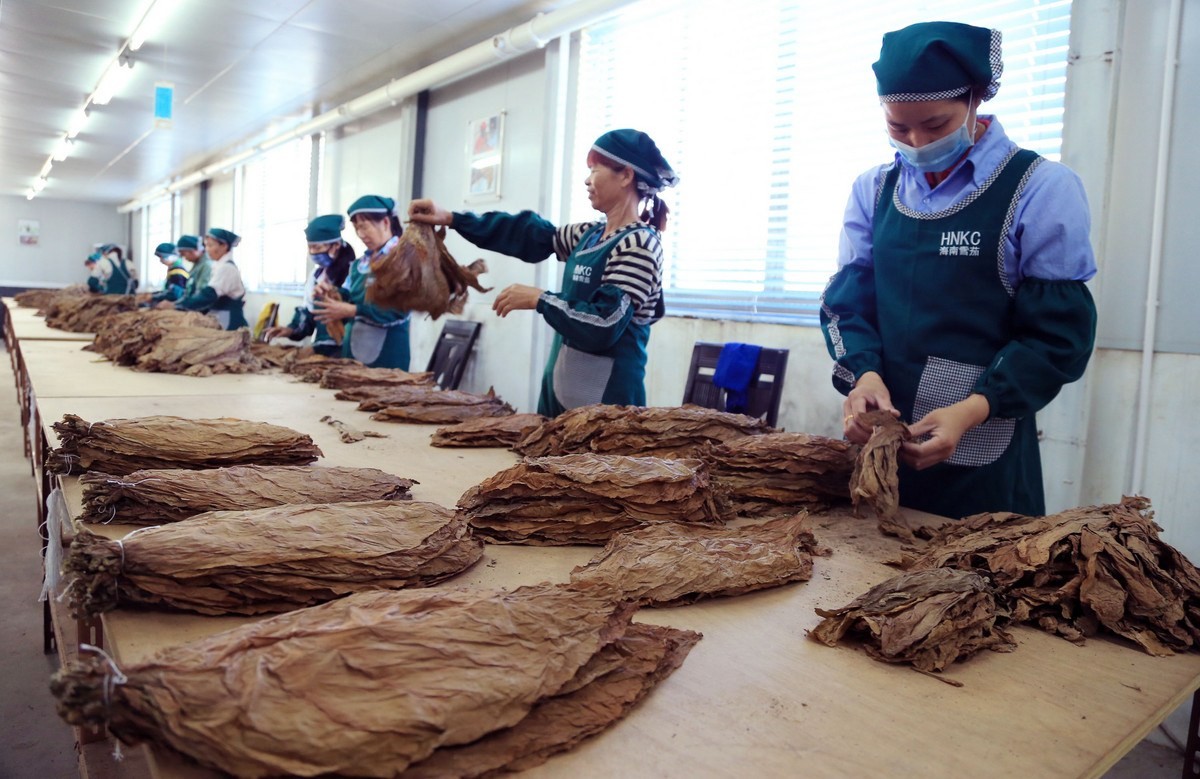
239	69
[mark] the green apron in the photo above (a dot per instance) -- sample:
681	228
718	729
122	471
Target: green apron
945	308
378	342
198	278
121	282
574	377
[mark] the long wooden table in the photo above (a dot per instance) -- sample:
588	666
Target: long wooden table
755	697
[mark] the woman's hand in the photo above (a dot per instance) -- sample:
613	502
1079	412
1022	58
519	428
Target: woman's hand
164	305
945	428
427	212
516	297
280	331
869	393
326	311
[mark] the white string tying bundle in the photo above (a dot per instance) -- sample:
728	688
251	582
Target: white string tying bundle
111	680
56	514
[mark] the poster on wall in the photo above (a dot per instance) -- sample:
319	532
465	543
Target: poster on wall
485	145
28	231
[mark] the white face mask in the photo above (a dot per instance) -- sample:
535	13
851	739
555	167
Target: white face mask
937	155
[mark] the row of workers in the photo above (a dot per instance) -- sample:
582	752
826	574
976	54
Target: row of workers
959	305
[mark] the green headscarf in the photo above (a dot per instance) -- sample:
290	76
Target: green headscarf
938	61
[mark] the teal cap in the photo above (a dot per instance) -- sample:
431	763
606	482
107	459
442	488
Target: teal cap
164	249
188	242
228	237
325	229
636	150
372	204
938	61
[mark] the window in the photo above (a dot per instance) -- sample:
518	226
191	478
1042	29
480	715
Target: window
767	111
158	220
272	211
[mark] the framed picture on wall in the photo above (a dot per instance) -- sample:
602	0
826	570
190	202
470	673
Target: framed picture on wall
28	231
485	157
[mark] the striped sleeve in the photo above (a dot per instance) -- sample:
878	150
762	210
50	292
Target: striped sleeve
636	266
567	237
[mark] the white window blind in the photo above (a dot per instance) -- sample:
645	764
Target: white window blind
159	225
272	212
767	110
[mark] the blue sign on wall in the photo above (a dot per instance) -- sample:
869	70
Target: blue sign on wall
164	104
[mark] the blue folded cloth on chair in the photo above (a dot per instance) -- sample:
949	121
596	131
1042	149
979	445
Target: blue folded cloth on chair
737	367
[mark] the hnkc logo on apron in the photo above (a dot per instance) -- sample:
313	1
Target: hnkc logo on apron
960	243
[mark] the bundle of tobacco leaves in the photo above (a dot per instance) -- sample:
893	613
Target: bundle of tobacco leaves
658	432
154	497
926	618
121	446
425	405
274	355
347	376
776	472
487	431
337	327
272	559
669	564
876	478
474	682
41	299
126	336
82	313
1082	570
307	365
585	498
198	351
418	274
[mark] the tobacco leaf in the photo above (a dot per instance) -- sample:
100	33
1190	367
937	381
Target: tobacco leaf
425	405
928	619
363	686
82	313
126	336
681	431
346	376
419	274
585	498
158	496
121	446
876	478
778	472
272	559
1080	571
41	299
503	431
669	564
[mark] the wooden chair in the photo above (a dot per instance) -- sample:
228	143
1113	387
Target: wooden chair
450	353
765	391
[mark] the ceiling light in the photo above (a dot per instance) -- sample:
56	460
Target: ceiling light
39	184
46	169
151	23
78	120
63	150
112	81
30	194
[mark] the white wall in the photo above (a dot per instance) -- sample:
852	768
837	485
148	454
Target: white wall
69	229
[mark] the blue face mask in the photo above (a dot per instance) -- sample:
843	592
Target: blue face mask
938	155
323	260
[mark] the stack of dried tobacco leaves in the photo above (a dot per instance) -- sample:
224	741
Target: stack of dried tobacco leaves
876	479
197	351
269	560
669	564
126	336
347	376
487	431
122	446
425	405
659	432
153	497
42	298
83	313
274	355
416	683
928	619
307	365
777	472
1082	570
419	274
585	498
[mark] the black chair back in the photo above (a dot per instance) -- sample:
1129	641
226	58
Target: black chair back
764	394
450	353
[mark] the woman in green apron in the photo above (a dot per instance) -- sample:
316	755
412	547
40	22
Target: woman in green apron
375	335
222	293
960	303
612	280
112	274
177	274
331	257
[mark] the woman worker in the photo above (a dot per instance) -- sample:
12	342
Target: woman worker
177	274
332	257
612	281
374	335
960	302
221	293
112	274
